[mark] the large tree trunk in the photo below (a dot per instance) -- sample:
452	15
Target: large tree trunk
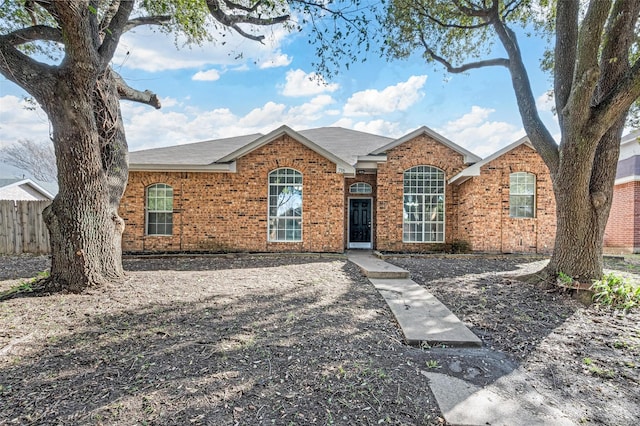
91	156
583	202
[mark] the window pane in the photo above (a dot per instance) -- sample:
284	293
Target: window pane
285	205
159	209
522	189
424	214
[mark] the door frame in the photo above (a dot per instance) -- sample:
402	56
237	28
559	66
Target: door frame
359	245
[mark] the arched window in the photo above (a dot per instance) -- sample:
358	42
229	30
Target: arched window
423	215
159	209
360	188
522	194
285	205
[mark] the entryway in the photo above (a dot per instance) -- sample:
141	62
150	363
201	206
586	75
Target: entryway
360	223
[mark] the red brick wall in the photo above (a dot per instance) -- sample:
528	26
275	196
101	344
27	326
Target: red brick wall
420	151
484	219
228	211
622	234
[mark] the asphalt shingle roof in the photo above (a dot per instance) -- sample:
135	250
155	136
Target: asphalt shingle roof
343	143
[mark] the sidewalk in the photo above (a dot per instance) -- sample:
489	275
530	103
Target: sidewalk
508	400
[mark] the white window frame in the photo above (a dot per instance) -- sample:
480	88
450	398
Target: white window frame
282	178
418	189
167	210
522	184
360	188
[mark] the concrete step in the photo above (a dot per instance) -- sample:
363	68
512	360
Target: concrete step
421	316
372	267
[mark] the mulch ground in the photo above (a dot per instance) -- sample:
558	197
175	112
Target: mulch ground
293	340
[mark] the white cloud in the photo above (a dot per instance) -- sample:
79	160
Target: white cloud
18	122
300	83
546	102
210	75
393	98
476	133
277	60
153	51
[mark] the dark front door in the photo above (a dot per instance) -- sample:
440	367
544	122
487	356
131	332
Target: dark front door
360	222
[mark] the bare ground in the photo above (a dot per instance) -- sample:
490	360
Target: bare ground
295	340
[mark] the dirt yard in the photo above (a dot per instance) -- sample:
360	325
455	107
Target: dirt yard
294	340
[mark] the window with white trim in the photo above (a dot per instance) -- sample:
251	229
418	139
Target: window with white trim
159	209
360	188
423	205
285	205
522	194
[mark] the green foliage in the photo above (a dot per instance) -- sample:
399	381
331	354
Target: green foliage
433	364
412	25
565	279
616	292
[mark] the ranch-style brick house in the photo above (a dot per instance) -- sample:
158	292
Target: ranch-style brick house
331	189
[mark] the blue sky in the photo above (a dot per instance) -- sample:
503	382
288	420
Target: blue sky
208	93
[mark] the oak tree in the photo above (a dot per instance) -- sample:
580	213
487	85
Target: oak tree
596	79
81	94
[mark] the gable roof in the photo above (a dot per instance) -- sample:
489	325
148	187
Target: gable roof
474	170
468	156
31	186
341	164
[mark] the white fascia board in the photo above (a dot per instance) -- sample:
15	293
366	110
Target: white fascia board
468	156
205	168
370	162
373	158
627	179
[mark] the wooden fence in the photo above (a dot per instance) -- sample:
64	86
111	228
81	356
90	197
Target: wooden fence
22	229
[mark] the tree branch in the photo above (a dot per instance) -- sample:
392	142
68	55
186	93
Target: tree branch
462	68
127	92
36	32
474	11
232	20
33	76
114	31
587	70
146	20
625	93
537	132
565	52
424	12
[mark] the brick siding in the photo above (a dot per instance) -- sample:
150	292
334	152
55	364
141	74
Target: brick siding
484	219
622	234
421	151
228	211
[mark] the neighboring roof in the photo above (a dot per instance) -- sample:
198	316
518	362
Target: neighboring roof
474	170
469	157
7	184
630	146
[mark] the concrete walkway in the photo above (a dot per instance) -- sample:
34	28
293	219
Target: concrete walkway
508	400
422	317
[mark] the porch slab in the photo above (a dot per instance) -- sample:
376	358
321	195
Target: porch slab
421	316
373	267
